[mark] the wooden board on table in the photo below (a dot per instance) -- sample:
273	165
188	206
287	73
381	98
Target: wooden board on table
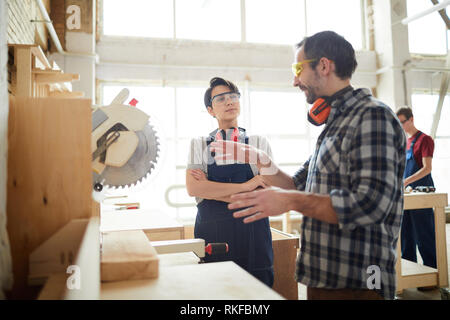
49	173
157	226
285	247
85	271
418	200
128	255
177	259
207	281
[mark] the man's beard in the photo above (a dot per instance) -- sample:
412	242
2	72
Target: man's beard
310	94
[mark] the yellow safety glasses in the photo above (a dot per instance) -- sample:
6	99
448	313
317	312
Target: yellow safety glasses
297	68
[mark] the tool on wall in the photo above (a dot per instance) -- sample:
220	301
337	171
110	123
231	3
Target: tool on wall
125	146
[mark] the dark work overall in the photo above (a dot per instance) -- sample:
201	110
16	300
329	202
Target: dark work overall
418	224
250	245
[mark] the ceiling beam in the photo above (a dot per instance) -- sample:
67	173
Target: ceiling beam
443	14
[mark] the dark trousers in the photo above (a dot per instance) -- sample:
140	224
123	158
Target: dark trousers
342	294
418	232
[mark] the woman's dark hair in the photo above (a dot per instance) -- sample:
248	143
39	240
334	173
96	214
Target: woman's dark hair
214	82
332	46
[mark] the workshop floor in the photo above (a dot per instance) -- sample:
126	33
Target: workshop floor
408	294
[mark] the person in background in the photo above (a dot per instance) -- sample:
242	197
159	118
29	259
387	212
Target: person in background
250	246
418	224
350	191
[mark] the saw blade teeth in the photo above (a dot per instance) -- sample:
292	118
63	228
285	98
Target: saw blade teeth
140	165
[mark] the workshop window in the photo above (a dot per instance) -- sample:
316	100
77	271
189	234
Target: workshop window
427	35
137	18
274	22
424	108
343	17
258	21
208	20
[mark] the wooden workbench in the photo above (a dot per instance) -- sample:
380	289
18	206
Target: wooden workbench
156	226
413	275
207	281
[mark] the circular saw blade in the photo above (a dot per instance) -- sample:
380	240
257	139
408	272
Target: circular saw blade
138	166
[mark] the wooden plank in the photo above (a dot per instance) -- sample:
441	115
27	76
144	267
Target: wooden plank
54	287
57	252
162	235
47	78
128	255
207	281
177	259
139	219
284	255
419	280
88	262
46	71
66	94
420	200
23	64
49	173
441	246
39	54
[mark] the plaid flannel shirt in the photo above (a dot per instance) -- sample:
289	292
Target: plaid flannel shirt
359	161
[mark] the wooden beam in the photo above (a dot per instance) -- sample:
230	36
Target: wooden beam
128	255
23	64
443	14
424	200
66	94
88	261
47	78
57	252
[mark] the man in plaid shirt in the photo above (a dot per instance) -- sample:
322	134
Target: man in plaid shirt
350	191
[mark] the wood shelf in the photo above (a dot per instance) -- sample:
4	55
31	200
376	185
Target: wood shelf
32	75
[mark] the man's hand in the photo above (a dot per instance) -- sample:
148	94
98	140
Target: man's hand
254	183
243	153
261	203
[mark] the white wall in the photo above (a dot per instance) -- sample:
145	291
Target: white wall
5	255
193	60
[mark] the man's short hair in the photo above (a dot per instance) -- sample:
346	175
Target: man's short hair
405	111
214	82
332	46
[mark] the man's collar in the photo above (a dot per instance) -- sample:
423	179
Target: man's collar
347	100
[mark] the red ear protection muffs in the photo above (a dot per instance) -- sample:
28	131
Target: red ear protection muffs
320	110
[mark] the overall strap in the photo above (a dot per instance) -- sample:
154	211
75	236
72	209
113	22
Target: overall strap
415	139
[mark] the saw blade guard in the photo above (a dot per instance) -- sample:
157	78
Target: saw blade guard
125	146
